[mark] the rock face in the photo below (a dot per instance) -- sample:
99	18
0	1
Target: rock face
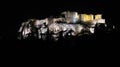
54	28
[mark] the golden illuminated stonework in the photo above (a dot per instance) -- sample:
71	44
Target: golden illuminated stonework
69	24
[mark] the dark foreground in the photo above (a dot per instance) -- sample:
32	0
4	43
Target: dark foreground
86	41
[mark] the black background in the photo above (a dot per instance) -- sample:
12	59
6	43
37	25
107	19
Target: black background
14	13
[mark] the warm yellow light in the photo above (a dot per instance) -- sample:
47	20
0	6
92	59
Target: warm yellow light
98	16
86	18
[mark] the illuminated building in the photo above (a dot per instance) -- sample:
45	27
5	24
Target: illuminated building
98	16
41	28
71	17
